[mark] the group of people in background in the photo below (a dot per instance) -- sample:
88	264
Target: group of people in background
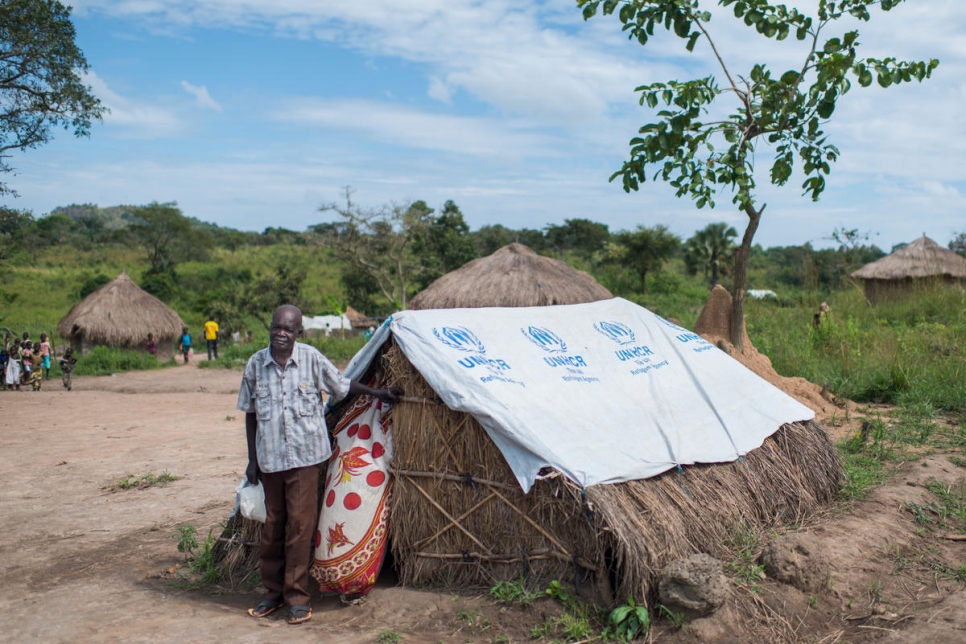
27	363
210	331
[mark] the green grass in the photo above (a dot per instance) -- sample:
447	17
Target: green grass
144	481
232	356
946	510
910	352
744	542
336	349
202	566
513	592
103	361
473	620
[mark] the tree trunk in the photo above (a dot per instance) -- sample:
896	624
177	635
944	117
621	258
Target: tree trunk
741	272
643	275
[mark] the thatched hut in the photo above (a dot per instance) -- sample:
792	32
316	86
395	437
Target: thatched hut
923	263
120	314
512	276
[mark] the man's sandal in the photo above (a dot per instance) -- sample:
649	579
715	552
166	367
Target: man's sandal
299	614
265	607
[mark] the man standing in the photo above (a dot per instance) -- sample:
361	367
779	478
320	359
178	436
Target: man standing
287	440
211	335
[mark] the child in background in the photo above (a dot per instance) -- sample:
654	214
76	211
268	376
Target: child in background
67	367
26	350
150	346
45	354
12	372
36	368
4	356
185	344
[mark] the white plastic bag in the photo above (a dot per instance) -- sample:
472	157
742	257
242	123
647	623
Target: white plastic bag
250	499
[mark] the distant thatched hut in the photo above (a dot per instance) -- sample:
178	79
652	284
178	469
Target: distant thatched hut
921	263
120	314
512	276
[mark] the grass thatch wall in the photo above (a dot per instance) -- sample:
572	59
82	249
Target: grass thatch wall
882	290
616	537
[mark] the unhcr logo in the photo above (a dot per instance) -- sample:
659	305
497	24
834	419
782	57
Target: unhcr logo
624	336
619	333
545	339
460	338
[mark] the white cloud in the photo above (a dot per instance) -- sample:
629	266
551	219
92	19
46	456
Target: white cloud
136	119
439	90
202	97
554	87
941	190
404	126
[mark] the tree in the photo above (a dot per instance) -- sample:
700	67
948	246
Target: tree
958	244
577	234
378	243
166	235
40	77
645	250
787	111
490	239
710	250
261	298
444	245
12	226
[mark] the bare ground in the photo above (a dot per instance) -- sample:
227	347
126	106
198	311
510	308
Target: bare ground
81	563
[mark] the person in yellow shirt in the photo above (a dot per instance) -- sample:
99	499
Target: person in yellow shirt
211	336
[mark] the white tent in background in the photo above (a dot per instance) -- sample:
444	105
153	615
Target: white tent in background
326	323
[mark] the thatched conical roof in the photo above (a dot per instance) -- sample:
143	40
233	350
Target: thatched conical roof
512	276
356	319
120	314
921	258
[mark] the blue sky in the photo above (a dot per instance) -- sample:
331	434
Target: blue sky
253	113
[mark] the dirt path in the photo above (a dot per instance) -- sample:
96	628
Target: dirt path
79	563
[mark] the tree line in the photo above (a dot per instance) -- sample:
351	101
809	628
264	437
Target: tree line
387	254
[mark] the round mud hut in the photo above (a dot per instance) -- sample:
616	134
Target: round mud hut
921	264
120	314
512	276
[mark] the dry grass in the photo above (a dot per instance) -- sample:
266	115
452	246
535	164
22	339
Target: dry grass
120	314
236	550
512	276
460	530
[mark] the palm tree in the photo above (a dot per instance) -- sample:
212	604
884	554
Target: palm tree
646	250
711	250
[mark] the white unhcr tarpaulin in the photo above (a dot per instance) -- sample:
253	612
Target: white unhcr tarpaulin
604	392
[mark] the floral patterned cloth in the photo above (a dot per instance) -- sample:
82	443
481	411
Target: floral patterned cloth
350	542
